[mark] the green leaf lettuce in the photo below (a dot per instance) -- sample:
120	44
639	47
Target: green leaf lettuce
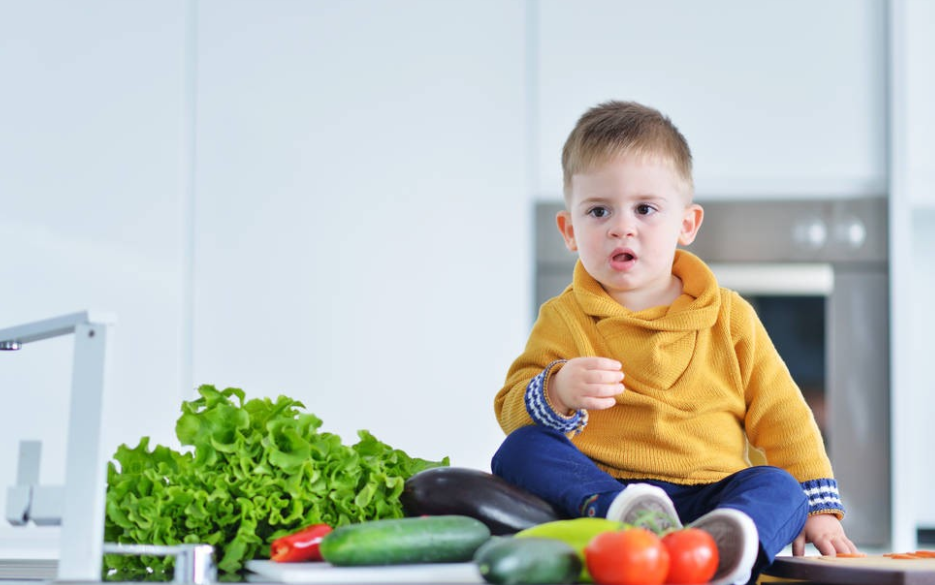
257	470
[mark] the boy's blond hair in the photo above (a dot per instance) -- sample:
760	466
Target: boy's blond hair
617	128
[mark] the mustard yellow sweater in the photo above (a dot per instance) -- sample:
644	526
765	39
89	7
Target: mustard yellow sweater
702	377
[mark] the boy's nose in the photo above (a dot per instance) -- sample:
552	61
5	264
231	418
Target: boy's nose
621	228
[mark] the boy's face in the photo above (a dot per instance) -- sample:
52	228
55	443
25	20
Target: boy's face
625	219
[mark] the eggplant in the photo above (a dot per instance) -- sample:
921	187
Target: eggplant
502	506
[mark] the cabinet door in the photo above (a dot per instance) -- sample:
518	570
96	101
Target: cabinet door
90	218
779	98
912	265
361	232
915	71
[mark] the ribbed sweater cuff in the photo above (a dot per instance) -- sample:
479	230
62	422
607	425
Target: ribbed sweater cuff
541	410
823	497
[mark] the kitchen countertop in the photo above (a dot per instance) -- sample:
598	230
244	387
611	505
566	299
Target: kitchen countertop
42	571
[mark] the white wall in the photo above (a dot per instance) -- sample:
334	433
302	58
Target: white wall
90	214
775	98
922	397
358	236
912	263
361	218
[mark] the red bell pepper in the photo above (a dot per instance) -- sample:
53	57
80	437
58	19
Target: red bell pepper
300	546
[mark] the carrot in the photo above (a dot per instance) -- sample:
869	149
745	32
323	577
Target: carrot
925	554
849	555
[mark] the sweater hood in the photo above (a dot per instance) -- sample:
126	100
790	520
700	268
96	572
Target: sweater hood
654	345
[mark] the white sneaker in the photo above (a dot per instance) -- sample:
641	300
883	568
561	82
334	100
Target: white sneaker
738	544
641	504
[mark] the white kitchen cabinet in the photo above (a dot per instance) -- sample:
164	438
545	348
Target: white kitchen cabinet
361	235
912	265
779	98
90	217
916	98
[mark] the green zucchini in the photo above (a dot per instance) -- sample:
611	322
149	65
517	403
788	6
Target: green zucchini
429	539
576	533
527	561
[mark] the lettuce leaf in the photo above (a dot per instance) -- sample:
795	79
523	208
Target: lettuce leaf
256	470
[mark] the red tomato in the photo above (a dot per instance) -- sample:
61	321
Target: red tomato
634	556
693	556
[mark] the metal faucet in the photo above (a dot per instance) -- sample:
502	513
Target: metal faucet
80	508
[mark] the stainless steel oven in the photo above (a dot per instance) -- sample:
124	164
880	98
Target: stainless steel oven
817	273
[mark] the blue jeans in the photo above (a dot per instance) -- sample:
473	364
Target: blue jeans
546	463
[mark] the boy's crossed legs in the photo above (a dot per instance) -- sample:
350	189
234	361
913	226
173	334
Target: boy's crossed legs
753	514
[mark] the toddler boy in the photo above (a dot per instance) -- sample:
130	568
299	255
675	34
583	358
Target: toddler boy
702	376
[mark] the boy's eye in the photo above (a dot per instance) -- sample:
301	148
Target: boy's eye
644	209
598	212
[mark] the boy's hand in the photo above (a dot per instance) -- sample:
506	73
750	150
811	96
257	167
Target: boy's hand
826	533
586	382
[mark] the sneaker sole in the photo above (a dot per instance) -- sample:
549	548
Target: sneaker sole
724	525
640	497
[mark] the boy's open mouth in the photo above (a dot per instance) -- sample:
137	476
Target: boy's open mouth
622	259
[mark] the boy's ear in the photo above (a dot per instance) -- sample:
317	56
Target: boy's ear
563	220
691	221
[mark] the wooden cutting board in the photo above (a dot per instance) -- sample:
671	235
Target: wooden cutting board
869	570
269	571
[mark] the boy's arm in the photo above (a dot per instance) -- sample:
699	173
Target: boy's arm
778	420
550	343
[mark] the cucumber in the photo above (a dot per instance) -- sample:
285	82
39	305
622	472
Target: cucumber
527	561
429	539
